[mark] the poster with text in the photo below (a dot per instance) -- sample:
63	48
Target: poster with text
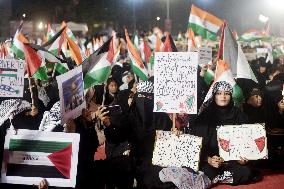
205	55
175	82
11	78
33	155
71	92
242	141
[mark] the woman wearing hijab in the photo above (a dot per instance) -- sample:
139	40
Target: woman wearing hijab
220	111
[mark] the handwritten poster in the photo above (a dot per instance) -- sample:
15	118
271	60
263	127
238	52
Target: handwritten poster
247	141
175	82
32	155
11	78
71	92
177	151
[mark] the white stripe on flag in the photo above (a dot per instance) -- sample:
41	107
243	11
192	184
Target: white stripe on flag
203	23
29	158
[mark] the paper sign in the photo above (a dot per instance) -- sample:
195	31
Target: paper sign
11	78
247	141
177	151
71	92
205	55
33	155
175	82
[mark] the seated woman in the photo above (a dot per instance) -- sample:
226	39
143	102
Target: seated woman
220	110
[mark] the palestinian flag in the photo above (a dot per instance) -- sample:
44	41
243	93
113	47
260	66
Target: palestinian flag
169	45
231	52
17	46
97	67
204	23
69	32
254	35
38	158
137	64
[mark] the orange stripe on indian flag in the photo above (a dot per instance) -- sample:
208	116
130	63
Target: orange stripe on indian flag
222	66
133	51
206	16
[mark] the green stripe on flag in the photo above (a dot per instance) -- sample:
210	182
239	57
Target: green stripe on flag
205	33
139	73
41	73
18	53
96	77
36	145
238	96
8	75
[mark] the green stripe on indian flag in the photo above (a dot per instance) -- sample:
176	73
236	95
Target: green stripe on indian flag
37	145
205	33
29	158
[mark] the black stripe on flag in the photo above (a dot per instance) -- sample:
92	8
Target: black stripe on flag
33	171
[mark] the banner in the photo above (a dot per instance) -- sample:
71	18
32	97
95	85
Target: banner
71	92
32	155
176	151
11	78
242	141
175	82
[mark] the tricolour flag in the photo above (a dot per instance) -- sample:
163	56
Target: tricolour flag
191	40
137	64
50	32
39	158
204	23
97	67
17	46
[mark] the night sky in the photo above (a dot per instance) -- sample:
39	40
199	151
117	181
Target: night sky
240	14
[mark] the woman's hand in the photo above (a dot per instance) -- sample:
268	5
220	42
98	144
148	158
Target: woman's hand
281	106
103	116
215	161
243	161
33	112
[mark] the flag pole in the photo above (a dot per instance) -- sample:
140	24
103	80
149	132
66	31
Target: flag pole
31	90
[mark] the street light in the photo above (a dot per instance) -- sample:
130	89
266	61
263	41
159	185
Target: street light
158	18
40	26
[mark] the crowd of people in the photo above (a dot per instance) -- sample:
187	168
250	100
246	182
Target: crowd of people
116	150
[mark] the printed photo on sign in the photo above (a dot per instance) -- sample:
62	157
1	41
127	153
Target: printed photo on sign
247	141
32	155
175	82
11	78
71	92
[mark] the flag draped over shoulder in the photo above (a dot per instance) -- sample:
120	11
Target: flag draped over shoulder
204	23
137	64
97	67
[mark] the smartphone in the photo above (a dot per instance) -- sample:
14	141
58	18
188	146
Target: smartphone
114	110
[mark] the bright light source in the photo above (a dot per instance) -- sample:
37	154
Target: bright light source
24	15
276	4
40	26
158	18
263	18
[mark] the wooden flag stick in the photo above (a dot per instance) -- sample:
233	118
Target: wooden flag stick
31	91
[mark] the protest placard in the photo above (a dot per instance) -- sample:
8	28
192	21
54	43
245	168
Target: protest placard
11	78
32	155
242	141
175	82
71	92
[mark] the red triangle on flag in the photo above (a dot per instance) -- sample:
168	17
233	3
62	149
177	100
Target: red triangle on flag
62	160
224	144
260	142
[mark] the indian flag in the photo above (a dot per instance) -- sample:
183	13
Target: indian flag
97	67
17	46
204	23
50	32
38	158
137	64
